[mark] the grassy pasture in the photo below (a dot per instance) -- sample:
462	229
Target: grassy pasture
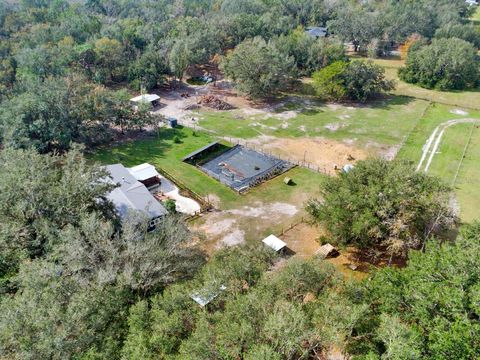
383	122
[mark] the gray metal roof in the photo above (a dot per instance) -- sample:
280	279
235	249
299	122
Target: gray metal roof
196	152
132	194
317	31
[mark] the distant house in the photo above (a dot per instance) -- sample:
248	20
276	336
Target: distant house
274	243
152	99
317	32
147	175
131	194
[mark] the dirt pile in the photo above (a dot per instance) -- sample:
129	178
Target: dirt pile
214	103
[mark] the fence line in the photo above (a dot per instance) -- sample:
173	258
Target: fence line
204	204
291	226
463	155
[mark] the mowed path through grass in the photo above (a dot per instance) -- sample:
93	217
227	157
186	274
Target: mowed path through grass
448	158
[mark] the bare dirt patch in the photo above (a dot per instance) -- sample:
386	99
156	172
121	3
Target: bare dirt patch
320	152
302	239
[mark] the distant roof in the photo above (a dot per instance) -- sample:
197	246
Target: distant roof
204	296
145	98
196	152
132	194
317	31
143	171
274	242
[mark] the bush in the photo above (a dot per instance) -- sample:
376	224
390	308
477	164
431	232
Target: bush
357	80
170	206
176	139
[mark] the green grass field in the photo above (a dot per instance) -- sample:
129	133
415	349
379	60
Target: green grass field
448	159
166	155
382	122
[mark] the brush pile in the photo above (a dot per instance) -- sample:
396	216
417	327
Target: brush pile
214	103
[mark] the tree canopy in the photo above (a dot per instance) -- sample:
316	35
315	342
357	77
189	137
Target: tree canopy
382	204
356	80
445	64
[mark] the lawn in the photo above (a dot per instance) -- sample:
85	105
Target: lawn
165	154
468	99
383	122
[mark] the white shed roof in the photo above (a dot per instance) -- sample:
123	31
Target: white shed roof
143	171
274	242
145	98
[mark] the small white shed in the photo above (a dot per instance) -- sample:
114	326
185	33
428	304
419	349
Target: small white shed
152	99
274	243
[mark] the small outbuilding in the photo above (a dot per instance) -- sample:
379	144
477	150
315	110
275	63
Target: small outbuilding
172	122
147	175
275	243
152	99
327	251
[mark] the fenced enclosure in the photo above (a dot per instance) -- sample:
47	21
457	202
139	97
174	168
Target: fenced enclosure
241	168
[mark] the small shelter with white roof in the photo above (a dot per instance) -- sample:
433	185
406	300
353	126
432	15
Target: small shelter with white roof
146	174
274	243
152	99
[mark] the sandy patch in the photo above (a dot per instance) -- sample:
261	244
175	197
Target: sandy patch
183	204
217	227
234	238
459	112
286	115
265	211
320	152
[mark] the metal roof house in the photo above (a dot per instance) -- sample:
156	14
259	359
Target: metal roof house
131	194
317	31
274	243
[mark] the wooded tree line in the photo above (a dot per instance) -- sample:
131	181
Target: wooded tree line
75	284
60	59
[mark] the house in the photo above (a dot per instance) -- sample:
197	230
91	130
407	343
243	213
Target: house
147	175
152	99
131	194
317	32
274	243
